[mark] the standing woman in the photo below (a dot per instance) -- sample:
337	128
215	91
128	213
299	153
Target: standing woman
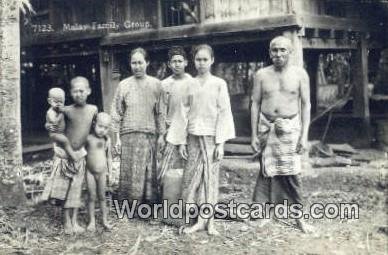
139	125
209	125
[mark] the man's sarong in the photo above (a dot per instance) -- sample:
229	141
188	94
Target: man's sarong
276	189
278	140
138	167
201	174
63	187
279	177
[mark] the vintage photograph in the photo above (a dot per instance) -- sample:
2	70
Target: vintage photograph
193	127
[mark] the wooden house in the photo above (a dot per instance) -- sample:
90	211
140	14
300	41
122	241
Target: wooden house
93	38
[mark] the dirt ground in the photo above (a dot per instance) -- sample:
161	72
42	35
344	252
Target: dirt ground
38	230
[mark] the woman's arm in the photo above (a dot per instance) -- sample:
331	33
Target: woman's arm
117	112
225	124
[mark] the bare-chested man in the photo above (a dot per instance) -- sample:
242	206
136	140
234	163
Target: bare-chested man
78	121
280	118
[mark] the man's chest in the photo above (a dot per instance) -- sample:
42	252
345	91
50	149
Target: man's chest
280	84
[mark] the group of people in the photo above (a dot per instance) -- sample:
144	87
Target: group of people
188	119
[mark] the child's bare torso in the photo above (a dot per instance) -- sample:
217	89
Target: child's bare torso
79	120
96	160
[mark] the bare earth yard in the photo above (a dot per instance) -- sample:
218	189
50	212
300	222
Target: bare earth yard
38	230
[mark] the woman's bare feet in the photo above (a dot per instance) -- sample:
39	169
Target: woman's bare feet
77	228
106	225
91	227
211	230
68	228
196	227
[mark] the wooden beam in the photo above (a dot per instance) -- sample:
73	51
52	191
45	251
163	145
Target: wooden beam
61	37
327	22
195	30
320	43
231	38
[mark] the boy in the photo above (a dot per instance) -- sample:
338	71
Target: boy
56	118
78	121
98	162
175	86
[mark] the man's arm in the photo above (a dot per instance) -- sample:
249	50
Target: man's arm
117	112
305	109
255	109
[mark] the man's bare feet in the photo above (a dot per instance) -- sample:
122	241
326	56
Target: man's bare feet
259	223
91	227
304	227
78	229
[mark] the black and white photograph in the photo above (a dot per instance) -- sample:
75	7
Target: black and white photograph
194	127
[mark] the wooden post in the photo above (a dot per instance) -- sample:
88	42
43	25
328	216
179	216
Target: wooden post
360	81
312	61
202	11
109	77
296	57
128	10
159	14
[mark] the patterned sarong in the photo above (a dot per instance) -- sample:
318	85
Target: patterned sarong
201	174
63	187
171	160
138	167
278	140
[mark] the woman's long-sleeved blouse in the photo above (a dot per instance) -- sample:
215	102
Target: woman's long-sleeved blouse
209	113
137	106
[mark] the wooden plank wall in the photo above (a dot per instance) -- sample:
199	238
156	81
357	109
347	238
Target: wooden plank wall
232	10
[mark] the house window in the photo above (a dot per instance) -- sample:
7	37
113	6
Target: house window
180	12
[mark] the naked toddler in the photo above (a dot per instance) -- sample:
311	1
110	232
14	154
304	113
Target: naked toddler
98	164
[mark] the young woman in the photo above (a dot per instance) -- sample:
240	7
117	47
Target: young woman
138	118
209	123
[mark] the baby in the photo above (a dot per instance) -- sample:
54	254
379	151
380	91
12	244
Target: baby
56	119
98	164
